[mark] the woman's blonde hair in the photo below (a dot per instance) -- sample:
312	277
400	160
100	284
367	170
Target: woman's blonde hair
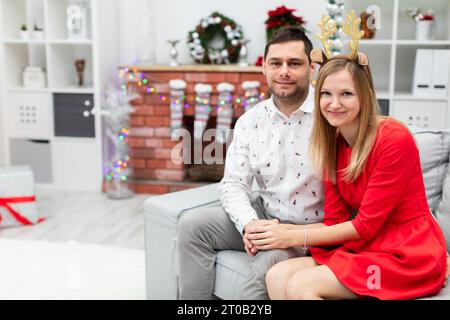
322	148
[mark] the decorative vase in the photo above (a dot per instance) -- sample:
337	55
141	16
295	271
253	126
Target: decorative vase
425	30
79	66
144	30
76	19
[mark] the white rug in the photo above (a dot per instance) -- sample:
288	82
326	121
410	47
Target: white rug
46	270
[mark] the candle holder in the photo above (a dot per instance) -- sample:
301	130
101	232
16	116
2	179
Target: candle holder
243	53
173	53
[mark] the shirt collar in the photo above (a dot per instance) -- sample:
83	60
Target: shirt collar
306	107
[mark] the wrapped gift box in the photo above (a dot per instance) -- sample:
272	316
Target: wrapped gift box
17	198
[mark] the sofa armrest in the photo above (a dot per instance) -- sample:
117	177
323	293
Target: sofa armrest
167	208
161	218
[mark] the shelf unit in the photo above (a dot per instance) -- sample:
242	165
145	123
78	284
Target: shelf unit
69	158
392	57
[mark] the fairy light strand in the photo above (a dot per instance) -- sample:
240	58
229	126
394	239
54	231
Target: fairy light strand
133	75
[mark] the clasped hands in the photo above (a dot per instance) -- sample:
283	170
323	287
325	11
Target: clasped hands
271	234
268	234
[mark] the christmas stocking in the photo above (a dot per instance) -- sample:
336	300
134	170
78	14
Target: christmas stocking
176	105
202	109
224	111
251	93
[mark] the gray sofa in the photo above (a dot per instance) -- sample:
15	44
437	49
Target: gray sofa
162	214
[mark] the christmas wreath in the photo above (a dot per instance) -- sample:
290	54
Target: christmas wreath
215	40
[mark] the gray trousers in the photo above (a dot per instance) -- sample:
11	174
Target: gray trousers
201	233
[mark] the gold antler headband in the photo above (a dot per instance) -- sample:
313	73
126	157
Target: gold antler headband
351	28
327	30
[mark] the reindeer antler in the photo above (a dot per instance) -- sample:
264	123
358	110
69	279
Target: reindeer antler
327	30
351	28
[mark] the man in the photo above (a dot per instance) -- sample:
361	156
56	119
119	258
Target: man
270	145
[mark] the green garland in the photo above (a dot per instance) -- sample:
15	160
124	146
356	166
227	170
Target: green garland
200	38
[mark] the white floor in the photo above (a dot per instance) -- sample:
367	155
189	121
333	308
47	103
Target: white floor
85	217
41	270
89	247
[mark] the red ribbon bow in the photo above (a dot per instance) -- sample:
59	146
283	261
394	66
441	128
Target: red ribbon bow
5	202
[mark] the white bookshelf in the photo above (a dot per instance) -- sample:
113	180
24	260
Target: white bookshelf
76	162
392	57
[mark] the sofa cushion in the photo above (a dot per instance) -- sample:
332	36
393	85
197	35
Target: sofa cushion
444	294
434	149
443	211
232	270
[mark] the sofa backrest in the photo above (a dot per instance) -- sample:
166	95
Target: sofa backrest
434	149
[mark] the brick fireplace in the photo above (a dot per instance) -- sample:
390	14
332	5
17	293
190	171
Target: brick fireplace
150	142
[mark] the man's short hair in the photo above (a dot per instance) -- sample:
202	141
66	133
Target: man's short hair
289	33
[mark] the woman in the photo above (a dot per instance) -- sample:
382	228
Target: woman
393	248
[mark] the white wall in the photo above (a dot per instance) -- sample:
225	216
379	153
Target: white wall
175	18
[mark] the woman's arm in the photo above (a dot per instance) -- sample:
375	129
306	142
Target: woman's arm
307	226
285	236
335	234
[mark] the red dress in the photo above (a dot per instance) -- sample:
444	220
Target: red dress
402	252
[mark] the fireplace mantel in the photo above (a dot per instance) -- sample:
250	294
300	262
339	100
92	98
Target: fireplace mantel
194	68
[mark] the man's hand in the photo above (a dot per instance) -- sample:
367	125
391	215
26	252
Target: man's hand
253	227
274	236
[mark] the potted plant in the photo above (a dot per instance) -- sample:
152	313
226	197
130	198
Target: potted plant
38	33
24	32
281	17
424	19
278	18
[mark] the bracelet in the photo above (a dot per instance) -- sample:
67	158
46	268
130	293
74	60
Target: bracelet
305	249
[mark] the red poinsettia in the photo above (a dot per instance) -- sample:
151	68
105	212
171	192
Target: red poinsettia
273	24
280	11
281	17
259	61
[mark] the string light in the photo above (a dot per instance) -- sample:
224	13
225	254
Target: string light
133	75
123	135
119	168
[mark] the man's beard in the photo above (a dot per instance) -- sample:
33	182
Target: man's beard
298	94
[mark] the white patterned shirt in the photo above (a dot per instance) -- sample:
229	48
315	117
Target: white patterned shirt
272	149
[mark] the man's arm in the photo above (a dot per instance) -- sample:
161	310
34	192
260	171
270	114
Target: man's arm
235	186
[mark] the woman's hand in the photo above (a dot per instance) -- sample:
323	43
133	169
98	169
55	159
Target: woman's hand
252	227
276	236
